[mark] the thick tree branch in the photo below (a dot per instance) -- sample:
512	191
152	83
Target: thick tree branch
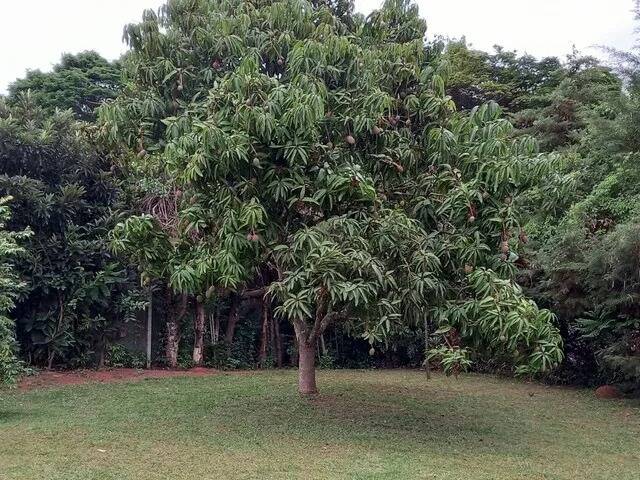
320	326
258	292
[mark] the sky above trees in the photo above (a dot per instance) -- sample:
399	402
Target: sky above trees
35	33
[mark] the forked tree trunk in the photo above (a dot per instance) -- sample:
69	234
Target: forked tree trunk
307	336
198	343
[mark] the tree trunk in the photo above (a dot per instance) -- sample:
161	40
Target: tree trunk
264	336
233	320
172	343
173	328
198	344
306	361
323	346
276	342
149	327
214	325
307	368
102	354
50	356
426	348
293	359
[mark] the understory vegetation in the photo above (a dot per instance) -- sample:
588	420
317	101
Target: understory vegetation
291	183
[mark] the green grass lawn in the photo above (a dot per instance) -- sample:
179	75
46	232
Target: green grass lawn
363	425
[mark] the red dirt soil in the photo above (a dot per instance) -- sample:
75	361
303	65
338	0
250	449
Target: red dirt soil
46	379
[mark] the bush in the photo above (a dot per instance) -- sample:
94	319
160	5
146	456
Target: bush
327	361
119	357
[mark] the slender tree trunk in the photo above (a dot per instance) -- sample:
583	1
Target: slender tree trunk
149	327
278	342
293	359
172	343
214	327
50	357
426	348
198	344
264	337
323	346
233	320
103	348
173	329
272	335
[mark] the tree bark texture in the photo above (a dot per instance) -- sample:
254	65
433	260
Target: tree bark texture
306	361
265	331
174	316
234	313
198	342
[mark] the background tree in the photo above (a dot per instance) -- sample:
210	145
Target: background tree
79	83
558	117
583	254
515	82
77	292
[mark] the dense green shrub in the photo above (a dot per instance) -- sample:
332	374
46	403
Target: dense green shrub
119	356
10	286
77	293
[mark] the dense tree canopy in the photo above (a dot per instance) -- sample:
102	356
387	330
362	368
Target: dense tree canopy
322	148
64	192
515	82
79	83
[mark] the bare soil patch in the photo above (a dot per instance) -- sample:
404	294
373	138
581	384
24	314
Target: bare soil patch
48	379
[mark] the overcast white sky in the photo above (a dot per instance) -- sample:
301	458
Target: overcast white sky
35	33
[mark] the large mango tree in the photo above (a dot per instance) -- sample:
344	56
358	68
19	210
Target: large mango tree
319	145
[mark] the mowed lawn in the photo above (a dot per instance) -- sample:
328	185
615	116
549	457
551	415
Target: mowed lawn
363	425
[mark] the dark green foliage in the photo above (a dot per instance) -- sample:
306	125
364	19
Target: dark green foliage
515	82
64	191
79	83
559	115
588	249
10	287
